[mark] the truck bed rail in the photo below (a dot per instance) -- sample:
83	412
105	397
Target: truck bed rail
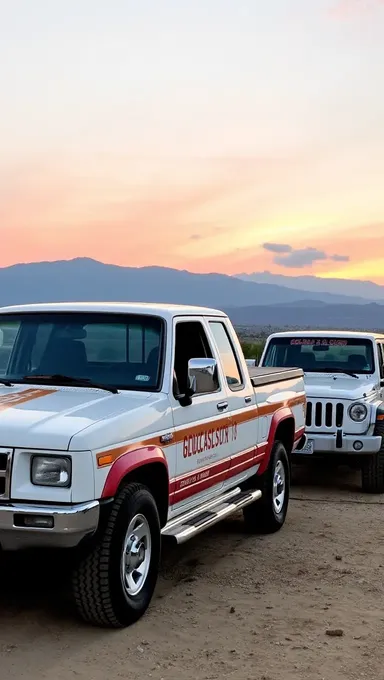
267	376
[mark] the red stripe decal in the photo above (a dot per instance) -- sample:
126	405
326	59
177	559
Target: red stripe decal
193	483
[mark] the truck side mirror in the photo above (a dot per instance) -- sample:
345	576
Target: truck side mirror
203	376
202	379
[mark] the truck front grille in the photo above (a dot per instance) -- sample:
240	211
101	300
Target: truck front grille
324	415
5	474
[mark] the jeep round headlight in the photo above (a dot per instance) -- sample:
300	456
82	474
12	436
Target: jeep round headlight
358	412
51	471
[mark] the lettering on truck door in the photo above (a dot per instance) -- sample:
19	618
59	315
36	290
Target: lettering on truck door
202	430
242	402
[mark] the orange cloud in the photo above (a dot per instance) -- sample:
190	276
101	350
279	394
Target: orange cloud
362	244
198	214
49	215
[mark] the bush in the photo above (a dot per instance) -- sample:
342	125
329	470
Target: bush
253	350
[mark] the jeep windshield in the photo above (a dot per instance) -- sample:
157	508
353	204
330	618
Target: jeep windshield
120	351
352	356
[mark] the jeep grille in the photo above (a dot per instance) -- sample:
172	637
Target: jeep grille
324	415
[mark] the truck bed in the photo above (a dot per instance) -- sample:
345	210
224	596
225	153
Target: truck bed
266	376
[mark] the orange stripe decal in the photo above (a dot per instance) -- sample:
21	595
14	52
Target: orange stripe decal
106	458
11	400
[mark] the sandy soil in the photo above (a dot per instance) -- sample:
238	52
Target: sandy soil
227	605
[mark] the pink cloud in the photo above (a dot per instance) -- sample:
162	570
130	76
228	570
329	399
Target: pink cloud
50	214
349	9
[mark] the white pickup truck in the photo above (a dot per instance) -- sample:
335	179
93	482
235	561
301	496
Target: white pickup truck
122	425
344	380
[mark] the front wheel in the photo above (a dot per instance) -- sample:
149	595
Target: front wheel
114	583
268	515
372	471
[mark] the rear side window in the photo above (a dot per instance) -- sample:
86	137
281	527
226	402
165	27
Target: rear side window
380	348
227	355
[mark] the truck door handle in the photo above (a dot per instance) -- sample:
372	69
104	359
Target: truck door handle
247	400
222	405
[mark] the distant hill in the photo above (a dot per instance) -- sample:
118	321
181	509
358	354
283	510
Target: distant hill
357	317
365	289
87	279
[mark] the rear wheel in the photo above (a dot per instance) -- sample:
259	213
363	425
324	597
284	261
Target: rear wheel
268	514
372	471
114	583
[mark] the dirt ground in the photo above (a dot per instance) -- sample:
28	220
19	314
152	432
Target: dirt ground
227	605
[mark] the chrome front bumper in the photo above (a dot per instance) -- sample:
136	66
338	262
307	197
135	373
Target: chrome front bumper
69	524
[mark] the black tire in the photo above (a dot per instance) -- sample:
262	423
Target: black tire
261	516
372	470
99	593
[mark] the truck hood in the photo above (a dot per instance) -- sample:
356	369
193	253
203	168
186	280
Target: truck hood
49	417
337	386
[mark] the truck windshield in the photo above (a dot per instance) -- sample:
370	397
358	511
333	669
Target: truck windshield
122	351
321	355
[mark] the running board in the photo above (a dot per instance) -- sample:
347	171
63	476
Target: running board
182	528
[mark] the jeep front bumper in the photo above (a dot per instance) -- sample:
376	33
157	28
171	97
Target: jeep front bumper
344	444
46	526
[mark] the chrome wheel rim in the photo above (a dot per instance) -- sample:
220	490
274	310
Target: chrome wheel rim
136	555
278	493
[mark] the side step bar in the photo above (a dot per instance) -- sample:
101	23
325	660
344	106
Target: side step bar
182	528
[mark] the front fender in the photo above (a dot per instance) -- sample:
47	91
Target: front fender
282	415
380	411
128	462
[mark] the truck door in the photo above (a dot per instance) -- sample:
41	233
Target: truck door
202	430
380	349
241	402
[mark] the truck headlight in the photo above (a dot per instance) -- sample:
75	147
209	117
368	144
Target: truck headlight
51	471
358	412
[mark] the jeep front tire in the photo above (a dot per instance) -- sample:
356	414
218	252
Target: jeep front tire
372	471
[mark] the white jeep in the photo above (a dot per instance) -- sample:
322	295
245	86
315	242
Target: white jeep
344	380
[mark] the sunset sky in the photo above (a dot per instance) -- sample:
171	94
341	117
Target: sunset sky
210	135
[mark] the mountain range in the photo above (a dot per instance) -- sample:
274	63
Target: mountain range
317	315
350	287
248	302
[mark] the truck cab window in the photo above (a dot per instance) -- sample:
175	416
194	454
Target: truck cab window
8	334
42	337
227	355
190	343
124	351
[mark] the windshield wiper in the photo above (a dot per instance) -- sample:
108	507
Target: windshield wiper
7	383
339	370
63	380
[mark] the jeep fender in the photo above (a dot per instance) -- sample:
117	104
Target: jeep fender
379	415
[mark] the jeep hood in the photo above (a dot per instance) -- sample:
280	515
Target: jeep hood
50	417
337	386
